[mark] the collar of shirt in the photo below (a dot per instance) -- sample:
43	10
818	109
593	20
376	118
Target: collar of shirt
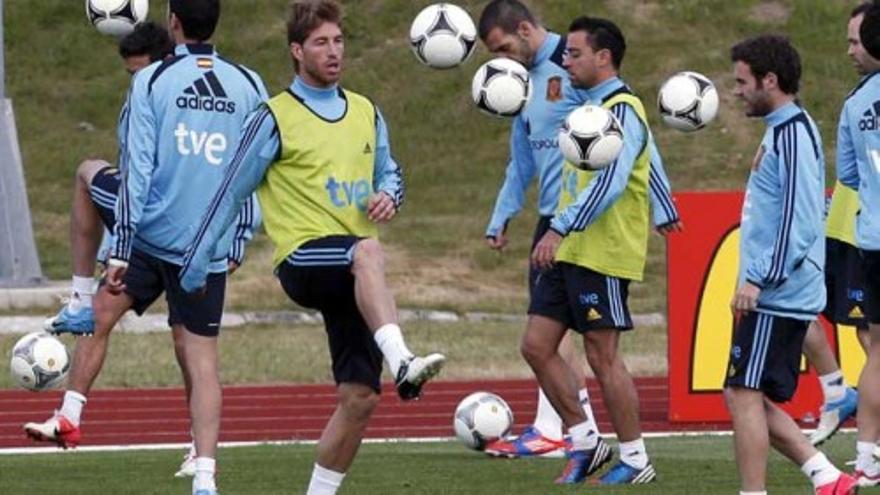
782	114
194	49
548	47
599	92
300	88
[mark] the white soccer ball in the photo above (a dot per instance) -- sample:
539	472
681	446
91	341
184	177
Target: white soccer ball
481	418
39	362
443	35
501	87
116	17
591	137
688	101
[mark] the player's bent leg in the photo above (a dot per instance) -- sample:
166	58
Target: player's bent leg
188	465
840	401
373	297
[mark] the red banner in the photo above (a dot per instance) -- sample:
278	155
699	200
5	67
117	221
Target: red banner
702	272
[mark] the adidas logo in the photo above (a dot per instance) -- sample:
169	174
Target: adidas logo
870	120
206	93
367	149
593	315
856	312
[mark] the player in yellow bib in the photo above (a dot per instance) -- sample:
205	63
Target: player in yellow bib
597	244
318	156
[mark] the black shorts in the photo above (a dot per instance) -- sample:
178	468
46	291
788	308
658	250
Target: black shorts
104	190
766	355
871	266
318	275
147	277
581	299
845	284
541	228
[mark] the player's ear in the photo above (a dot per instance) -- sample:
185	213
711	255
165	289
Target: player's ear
296	51
525	29
770	80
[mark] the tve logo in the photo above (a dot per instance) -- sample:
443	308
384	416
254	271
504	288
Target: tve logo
200	143
347	193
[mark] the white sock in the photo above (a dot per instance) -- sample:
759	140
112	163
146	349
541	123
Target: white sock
81	291
324	481
204	479
72	406
833	386
820	470
763	492
192	445
583	437
390	342
865	461
634	454
547	420
584	397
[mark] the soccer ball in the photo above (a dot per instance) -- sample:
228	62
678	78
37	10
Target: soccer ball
39	362
443	35
481	418
688	101
501	87
116	17
590	137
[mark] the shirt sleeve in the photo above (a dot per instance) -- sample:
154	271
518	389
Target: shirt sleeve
140	161
521	169
259	147
604	189
798	171
387	176
659	190
246	223
847	167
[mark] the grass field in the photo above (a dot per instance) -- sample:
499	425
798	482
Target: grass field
298	354
66	83
702	465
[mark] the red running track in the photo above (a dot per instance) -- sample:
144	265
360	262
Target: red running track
297	412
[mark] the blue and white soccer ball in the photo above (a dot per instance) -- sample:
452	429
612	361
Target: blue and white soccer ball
116	17
591	137
443	35
501	87
687	101
39	362
482	418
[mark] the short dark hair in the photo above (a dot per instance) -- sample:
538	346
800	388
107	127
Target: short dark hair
505	15
770	53
197	17
869	32
860	9
307	15
602	34
147	38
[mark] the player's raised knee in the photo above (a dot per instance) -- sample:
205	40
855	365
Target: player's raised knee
368	253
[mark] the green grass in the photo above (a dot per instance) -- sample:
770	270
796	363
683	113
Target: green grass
60	72
298	354
684	465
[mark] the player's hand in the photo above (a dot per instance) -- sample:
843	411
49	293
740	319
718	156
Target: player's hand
668	228
380	207
114	278
544	253
231	266
497	242
745	299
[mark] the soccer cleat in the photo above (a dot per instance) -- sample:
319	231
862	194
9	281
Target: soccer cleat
583	463
413	374
187	467
530	444
843	485
81	322
56	429
833	415
865	480
624	474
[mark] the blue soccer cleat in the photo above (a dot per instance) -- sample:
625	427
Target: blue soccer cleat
583	463
530	444
81	322
624	474
833	416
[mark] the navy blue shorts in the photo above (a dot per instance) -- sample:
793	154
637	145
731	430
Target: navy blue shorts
104	190
581	298
318	276
845	284
766	355
871	264
148	277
